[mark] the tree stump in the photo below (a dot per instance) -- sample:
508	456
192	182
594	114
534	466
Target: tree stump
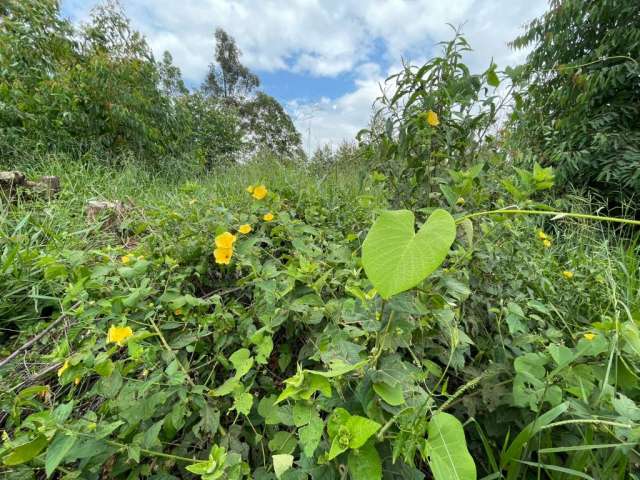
10	182
110	213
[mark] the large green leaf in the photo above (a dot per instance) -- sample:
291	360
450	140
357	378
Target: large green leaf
446	449
364	463
396	259
57	451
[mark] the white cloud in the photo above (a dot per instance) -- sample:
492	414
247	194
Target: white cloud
327	38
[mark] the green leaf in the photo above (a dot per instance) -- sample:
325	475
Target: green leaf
282	463
396	259
56	452
361	429
242	402
310	436
242	361
283	442
446	449
26	452
364	463
492	77
392	395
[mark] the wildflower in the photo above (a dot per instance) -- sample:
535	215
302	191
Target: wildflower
567	274
259	192
589	336
546	243
250	188
225	240
125	259
542	235
244	229
268	217
63	368
432	118
118	334
223	255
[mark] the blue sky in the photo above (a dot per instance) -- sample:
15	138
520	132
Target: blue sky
324	60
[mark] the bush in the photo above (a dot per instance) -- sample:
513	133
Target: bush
580	109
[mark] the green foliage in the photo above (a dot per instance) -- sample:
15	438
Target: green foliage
436	117
579	108
396	258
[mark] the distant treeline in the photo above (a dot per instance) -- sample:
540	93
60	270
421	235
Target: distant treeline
98	88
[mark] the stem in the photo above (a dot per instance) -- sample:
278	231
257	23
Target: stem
143	450
550	213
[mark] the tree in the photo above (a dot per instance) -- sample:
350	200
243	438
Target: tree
269	126
580	107
228	78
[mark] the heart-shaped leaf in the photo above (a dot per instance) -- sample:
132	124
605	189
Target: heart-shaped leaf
396	258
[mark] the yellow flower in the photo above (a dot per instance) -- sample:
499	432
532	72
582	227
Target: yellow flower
268	217
259	192
225	240
546	243
63	368
589	336
118	334
250	188
567	274
542	235
460	201
223	255
432	118
125	259
244	229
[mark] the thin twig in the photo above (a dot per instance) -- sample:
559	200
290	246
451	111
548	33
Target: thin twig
25	346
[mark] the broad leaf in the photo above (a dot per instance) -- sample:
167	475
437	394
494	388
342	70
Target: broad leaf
396	259
364	463
26	452
392	395
446	448
282	463
56	452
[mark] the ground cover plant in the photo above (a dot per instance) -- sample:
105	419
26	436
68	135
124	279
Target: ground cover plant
433	302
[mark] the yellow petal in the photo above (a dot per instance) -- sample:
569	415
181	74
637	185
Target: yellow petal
225	240
223	255
589	336
542	235
63	368
259	192
268	217
244	229
250	189
118	335
567	274
432	118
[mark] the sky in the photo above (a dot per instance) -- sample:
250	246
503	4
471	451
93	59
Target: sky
324	60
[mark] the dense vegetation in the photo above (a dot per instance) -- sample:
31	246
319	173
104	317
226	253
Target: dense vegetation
279	318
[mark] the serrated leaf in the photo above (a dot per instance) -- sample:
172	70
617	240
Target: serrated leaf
242	402
361	429
282	463
396	259
446	449
310	436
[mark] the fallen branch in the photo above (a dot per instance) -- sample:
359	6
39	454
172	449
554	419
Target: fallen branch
25	346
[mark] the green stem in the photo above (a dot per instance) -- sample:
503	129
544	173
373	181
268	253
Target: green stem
142	450
549	213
